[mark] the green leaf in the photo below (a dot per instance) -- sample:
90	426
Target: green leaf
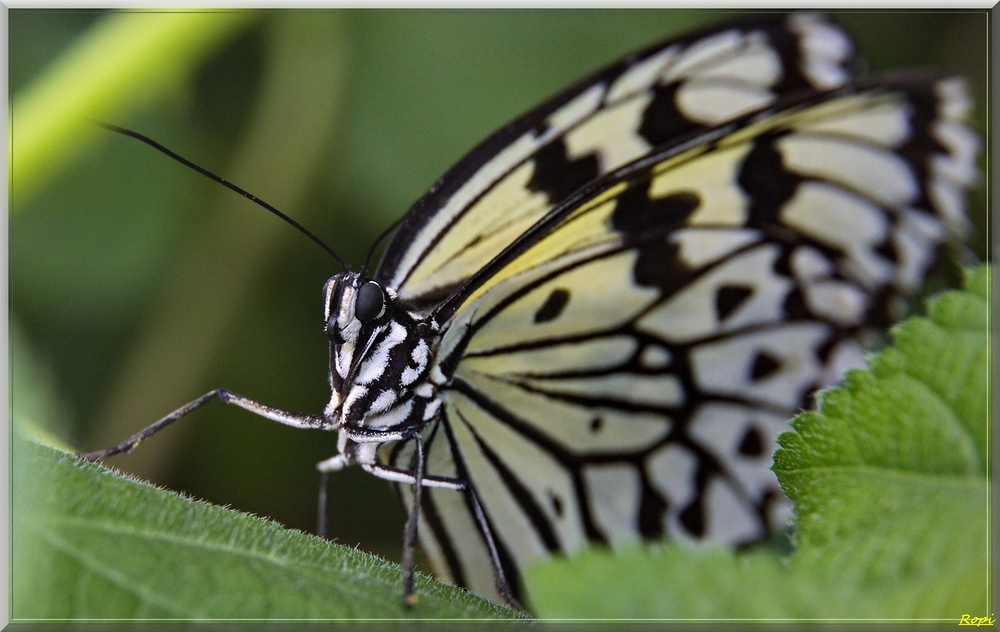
664	582
891	493
677	583
949	352
92	544
889	476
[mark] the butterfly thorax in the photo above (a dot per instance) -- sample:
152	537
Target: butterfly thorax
381	356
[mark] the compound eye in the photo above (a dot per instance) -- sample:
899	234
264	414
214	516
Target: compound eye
370	303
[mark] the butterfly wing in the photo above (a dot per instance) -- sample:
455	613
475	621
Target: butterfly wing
517	176
621	372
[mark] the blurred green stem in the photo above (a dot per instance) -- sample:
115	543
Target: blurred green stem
125	62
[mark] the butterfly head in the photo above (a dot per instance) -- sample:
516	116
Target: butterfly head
351	301
377	350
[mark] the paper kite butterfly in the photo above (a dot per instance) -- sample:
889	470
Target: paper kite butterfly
595	325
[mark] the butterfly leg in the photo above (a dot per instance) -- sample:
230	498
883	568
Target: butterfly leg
324	484
384	472
499	579
418	480
410	533
228	397
401	476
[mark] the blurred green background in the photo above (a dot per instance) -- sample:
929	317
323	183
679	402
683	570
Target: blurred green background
137	285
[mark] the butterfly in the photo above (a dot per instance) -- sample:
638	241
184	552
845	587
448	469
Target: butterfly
595	325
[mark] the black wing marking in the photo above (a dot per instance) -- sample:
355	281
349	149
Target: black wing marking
620	114
622	371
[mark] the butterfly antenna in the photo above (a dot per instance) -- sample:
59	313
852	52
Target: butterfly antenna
385	233
229	185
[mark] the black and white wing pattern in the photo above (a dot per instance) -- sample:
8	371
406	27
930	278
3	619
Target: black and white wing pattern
514	178
620	350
